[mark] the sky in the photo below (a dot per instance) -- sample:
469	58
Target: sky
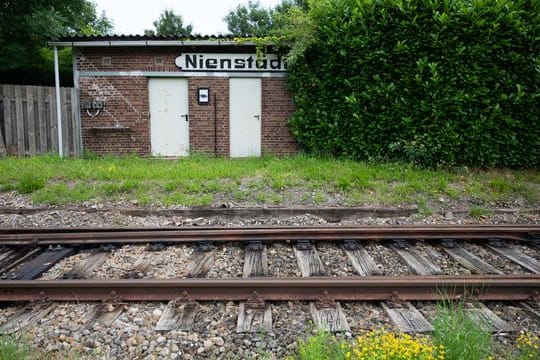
206	16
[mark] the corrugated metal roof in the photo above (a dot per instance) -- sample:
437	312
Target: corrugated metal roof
130	37
149	40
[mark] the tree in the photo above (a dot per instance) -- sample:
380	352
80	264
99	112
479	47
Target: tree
255	20
170	24
26	26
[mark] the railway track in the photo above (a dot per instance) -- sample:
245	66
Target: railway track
29	256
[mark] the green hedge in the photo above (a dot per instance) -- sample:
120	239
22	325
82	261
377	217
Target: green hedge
434	82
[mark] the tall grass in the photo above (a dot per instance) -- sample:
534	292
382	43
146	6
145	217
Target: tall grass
321	346
12	348
461	336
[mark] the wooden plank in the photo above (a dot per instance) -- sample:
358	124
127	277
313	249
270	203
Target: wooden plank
515	255
254	320
488	320
31	93
41	263
250	318
329	319
5	253
103	314
407	318
1	107
52	120
140	266
24	318
178	316
20	257
200	265
532	308
468	260
41	121
75	118
255	260
309	262
414	260
361	261
8	257
65	121
8	121
84	268
326	313
19	120
3	151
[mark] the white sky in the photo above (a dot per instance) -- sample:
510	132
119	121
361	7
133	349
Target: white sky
206	16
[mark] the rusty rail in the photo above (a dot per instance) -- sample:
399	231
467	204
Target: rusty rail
500	287
167	235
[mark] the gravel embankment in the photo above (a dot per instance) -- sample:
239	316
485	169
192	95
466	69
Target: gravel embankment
131	335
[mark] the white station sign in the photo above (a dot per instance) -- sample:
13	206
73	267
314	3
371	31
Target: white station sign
230	62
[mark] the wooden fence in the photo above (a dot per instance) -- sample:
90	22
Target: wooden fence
28	120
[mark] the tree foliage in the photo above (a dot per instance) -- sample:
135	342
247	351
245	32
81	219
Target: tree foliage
454	82
255	20
170	24
26	26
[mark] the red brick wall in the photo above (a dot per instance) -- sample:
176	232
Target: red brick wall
201	126
277	108
127	59
126	104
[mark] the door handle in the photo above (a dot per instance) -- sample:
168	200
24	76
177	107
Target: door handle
185	116
258	117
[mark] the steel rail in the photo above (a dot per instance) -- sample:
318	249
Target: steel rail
496	287
183	235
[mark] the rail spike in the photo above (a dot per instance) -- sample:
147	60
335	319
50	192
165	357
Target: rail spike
325	301
184	300
112	302
40	302
535	297
255	302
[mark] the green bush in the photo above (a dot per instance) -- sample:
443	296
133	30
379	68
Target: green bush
452	82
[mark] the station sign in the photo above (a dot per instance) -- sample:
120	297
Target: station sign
230	62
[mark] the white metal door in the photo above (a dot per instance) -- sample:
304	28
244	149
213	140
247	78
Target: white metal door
169	119
245	117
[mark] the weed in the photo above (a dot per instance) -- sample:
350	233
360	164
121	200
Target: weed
319	198
528	346
29	183
460	335
477	212
321	346
62	194
380	344
240	195
12	348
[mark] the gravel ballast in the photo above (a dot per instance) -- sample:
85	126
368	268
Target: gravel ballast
132	335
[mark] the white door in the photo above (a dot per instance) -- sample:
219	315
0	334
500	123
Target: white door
245	117
169	119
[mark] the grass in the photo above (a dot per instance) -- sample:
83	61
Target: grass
297	180
460	335
321	346
12	348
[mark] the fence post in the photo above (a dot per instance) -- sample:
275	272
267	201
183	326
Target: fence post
3	151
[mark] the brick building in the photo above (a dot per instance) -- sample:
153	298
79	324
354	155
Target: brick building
160	96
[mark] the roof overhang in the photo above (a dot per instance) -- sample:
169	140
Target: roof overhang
148	43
